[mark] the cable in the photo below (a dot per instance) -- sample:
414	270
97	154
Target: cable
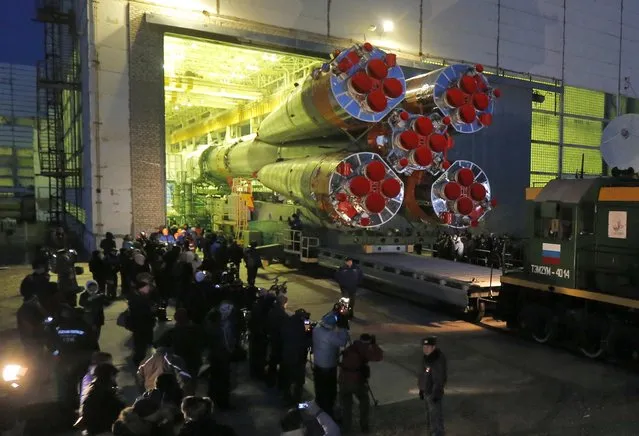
421	27
328	18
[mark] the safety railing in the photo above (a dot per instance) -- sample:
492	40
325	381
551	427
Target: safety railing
305	246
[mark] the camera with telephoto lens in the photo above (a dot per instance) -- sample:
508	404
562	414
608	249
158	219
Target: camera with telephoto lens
342	310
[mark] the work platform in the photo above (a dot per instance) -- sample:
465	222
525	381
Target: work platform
422	278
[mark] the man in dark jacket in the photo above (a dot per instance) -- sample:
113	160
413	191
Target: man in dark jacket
108	243
353	379
221	344
431	380
253	262
349	277
295	344
258	338
37	281
103	403
92	301
277	317
141	317
30	317
236	254
67	278
98	269
73	342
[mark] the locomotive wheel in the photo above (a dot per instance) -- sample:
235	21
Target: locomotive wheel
475	311
593	338
544	327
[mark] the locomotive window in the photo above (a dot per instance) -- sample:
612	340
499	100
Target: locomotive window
587	218
565	231
558	226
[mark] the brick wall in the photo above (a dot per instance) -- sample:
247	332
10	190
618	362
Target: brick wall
146	82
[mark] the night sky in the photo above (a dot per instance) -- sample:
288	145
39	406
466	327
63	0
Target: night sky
21	39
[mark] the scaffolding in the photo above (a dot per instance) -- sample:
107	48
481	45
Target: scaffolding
59	114
241	202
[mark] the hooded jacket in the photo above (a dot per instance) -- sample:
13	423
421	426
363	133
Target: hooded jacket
163	362
354	367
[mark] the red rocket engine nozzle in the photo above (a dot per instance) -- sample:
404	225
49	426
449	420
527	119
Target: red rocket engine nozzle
356	190
360	86
416	142
461	195
460	92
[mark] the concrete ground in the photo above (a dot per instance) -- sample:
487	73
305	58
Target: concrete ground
498	384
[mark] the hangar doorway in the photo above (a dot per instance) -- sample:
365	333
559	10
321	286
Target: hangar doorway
215	92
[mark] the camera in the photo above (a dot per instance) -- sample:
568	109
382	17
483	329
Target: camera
343	307
342	310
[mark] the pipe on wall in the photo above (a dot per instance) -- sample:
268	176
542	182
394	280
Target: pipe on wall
96	122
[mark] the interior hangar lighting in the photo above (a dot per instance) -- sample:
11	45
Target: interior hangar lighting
388	26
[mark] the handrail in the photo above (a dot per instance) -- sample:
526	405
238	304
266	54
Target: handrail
295	241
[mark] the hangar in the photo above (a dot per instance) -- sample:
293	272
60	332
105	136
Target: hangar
137	87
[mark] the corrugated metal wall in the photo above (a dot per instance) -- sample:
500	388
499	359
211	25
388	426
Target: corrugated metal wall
17	130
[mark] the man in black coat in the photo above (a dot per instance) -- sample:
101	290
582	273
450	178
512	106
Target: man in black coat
431	381
141	317
258	338
296	341
277	317
349	277
37	281
103	403
253	262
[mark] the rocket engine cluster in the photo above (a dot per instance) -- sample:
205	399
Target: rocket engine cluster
357	143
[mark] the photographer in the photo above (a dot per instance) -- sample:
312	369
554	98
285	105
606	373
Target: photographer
295	344
328	339
353	379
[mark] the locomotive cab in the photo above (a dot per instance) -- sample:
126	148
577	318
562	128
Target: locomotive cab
580	280
561	225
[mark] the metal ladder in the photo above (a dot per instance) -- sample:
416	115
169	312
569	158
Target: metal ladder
241	200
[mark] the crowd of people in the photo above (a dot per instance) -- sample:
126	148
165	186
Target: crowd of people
218	321
497	251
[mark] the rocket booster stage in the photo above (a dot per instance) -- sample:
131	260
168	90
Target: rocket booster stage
356	189
246	158
409	124
358	88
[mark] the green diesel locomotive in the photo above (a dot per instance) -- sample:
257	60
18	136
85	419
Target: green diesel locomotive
579	284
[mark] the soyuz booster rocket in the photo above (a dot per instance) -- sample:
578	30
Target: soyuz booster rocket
356	141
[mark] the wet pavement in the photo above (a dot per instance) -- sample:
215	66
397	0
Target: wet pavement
498	384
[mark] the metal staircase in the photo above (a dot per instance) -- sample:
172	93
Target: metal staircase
59	148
